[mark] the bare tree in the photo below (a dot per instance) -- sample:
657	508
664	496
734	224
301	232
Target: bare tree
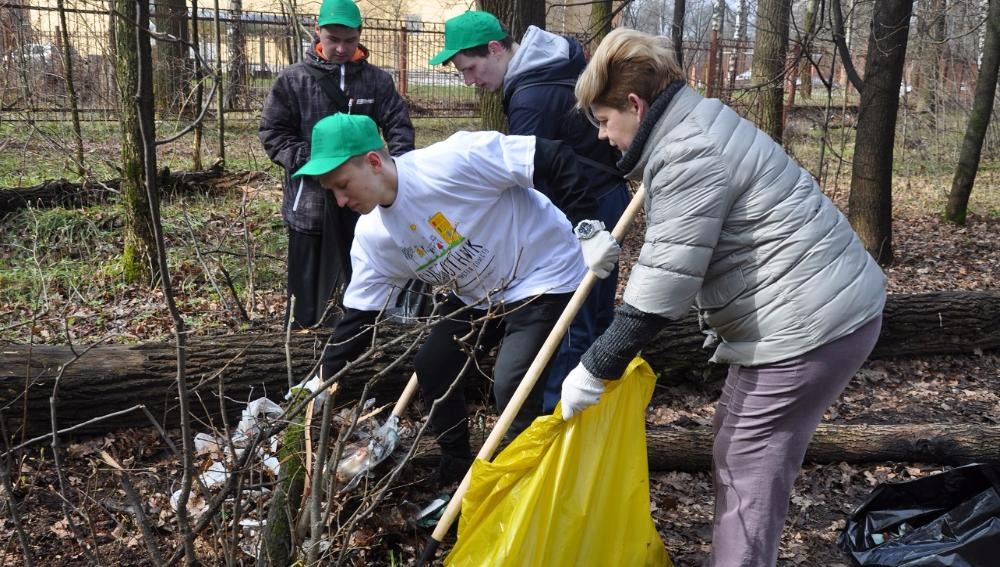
137	256
928	56
524	13
713	78
739	34
677	30
199	92
67	53
805	44
172	69
870	202
770	49
236	44
600	21
979	119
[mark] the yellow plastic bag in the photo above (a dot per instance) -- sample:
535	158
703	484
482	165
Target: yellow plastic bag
568	492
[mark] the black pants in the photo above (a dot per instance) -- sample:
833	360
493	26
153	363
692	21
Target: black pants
520	328
319	266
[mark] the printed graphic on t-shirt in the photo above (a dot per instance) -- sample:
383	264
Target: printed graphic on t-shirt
441	255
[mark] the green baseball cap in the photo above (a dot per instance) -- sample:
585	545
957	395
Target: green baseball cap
336	139
470	29
339	12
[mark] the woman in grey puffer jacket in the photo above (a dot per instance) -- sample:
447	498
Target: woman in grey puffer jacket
738	229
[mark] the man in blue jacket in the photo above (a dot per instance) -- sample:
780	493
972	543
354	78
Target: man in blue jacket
536	78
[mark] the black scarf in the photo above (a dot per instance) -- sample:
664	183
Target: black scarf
660	103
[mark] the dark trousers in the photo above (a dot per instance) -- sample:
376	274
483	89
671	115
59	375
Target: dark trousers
319	266
596	312
520	328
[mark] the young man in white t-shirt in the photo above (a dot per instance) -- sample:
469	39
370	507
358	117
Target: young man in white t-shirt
461	215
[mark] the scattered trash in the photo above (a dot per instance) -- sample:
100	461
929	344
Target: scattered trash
255	412
196	505
364	455
215	476
428	517
373	445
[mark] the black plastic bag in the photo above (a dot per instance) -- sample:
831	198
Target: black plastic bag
414	303
950	519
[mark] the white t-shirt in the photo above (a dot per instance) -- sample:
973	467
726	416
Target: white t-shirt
465	217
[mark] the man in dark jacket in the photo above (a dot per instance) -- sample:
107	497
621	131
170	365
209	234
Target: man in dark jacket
537	77
334	76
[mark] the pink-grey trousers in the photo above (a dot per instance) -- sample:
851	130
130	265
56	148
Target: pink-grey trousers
763	423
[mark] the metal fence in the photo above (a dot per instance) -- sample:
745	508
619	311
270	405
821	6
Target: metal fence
34	71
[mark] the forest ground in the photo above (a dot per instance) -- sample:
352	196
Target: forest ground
930	256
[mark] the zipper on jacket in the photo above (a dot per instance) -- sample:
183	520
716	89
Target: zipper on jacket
295	205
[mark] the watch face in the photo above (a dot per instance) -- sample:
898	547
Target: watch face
585	230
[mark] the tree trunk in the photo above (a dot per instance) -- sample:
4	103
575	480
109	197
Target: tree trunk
236	43
927	58
979	120
524	13
600	22
74	106
768	67
676	449
739	35
805	49
870	202
199	93
137	256
491	115
172	70
677	31
115	377
713	78
277	548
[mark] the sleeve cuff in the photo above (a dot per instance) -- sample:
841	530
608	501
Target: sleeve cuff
630	330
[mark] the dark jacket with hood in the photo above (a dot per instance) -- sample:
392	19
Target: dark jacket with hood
297	102
539	100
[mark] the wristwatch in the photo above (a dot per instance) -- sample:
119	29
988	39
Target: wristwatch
588	228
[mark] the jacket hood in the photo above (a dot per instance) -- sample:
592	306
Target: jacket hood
313	56
541	57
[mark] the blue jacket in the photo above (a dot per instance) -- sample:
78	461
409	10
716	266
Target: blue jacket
538	99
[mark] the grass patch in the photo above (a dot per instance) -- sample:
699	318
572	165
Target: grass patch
60	268
926	153
60	255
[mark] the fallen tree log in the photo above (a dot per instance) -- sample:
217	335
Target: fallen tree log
690	449
110	378
64	193
944	322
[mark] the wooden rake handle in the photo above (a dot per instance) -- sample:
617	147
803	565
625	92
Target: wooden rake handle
528	382
406	396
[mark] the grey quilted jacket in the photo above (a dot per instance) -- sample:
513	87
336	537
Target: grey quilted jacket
296	102
736	227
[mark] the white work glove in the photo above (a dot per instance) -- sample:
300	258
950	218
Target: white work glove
580	390
600	250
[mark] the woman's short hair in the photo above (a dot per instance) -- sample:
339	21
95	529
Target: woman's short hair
626	61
